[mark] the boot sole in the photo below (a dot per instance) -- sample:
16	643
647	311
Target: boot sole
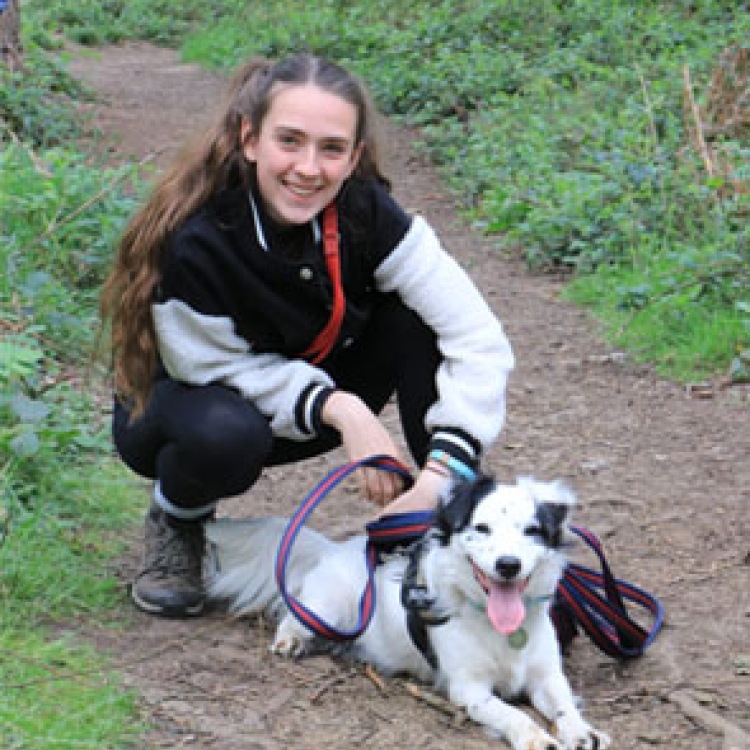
174	612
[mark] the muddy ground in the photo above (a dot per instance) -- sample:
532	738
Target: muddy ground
662	474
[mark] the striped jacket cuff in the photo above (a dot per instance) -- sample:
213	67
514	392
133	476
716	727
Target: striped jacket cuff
309	406
457	444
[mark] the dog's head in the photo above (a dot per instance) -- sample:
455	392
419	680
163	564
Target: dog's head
510	537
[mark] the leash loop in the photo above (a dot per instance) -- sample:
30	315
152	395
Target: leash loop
604	618
383	535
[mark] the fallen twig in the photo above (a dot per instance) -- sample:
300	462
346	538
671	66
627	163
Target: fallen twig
435	701
375	678
327	685
734	737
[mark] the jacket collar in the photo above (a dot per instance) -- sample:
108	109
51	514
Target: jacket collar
260	234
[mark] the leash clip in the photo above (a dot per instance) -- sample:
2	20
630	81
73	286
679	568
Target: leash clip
417	597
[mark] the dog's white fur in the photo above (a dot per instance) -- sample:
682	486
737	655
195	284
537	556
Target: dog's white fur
478	523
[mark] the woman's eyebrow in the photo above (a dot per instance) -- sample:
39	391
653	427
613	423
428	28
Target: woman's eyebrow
299	132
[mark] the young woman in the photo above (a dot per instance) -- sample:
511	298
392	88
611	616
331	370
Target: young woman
239	344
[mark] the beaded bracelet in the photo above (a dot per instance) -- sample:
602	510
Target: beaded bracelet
437	468
452	463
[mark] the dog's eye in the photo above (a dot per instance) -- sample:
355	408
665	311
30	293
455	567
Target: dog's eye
534	530
482	528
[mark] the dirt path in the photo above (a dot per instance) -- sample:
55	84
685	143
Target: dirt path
662	476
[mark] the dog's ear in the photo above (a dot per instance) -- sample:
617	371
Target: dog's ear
556	492
458	504
554	502
552	519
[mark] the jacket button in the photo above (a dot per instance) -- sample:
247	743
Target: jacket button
305	273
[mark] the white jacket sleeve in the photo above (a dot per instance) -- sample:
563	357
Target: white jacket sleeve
201	349
477	358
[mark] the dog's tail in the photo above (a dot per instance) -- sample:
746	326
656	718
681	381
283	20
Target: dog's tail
242	556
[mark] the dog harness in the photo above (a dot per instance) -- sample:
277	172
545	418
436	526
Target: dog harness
419	605
593	600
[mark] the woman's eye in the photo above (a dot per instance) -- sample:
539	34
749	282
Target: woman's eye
482	528
334	149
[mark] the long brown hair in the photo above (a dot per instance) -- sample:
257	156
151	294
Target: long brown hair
201	170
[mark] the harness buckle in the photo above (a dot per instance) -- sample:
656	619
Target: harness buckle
416	597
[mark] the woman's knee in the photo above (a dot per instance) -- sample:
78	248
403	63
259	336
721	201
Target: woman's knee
229	438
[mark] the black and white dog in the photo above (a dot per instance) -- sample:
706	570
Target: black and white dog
489	567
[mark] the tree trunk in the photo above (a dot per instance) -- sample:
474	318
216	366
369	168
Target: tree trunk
10	34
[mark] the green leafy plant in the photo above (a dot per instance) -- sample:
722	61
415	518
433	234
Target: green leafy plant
59	220
562	126
93	22
35	103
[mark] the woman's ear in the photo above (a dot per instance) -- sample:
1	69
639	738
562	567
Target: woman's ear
247	139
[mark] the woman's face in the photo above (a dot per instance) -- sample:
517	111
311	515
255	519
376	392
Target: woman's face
304	151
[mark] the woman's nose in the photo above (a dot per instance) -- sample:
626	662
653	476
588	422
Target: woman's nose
307	163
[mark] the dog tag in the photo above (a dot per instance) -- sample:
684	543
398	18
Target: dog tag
518	639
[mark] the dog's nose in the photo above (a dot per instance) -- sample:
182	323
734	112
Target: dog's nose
507	566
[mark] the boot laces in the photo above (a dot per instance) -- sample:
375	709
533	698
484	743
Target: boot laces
175	550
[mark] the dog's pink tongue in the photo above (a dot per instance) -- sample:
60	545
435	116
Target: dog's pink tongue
505	607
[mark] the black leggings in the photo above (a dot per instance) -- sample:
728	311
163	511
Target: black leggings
207	442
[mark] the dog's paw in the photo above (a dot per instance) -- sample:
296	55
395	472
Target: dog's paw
576	734
538	739
291	639
525	734
288	647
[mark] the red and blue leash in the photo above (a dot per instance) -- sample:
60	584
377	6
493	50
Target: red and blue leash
398	528
578	601
605	618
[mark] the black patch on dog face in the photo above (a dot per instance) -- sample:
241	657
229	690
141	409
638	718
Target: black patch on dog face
454	515
550	521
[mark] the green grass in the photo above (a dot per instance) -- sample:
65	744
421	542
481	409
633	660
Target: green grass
51	558
673	325
56	693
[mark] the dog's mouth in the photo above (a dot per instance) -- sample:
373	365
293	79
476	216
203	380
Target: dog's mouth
505	606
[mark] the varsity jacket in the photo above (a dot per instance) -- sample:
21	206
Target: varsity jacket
241	297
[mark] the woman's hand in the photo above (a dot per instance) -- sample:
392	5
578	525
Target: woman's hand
363	435
423	495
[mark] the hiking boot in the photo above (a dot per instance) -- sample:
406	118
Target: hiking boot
171	581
